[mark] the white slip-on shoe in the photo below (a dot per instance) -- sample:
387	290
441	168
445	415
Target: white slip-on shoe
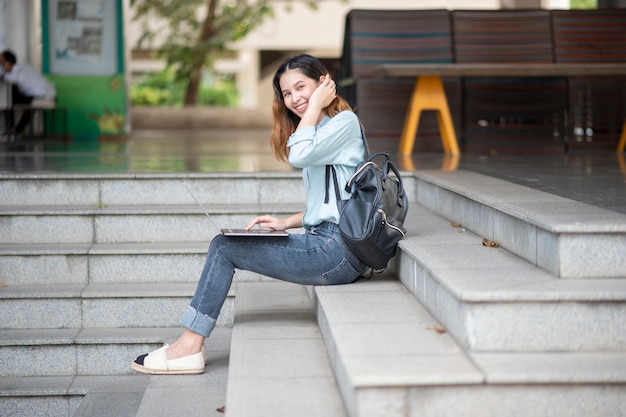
156	363
205	355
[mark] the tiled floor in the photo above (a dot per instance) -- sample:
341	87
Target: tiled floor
598	179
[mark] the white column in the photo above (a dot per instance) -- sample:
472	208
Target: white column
3	19
555	4
34	41
15	27
248	78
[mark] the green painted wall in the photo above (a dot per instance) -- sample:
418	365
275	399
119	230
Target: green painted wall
95	104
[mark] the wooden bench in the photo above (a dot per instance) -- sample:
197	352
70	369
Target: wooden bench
508	68
510	112
433	96
53	119
596	103
374	37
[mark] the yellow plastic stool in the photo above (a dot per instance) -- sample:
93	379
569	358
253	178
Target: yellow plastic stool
429	94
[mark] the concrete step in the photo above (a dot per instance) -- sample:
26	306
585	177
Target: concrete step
101	190
278	363
83	263
190	395
99	305
566	238
123	395
491	300
78	351
45	396
125	224
391	357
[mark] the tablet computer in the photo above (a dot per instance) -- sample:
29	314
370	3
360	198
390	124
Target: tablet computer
254	232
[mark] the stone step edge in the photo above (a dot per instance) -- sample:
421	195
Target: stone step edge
377	334
174	176
88	336
98	191
278	360
143	248
72	351
101	305
524	203
360	348
228	188
566	238
475	273
54	386
100	290
147	209
492	300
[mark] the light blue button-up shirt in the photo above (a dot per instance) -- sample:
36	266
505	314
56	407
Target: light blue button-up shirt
334	141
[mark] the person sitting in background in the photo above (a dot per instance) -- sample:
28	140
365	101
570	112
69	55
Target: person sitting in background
28	85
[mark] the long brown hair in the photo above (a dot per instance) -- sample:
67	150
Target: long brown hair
285	121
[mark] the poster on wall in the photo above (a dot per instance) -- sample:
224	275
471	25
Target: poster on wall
82	37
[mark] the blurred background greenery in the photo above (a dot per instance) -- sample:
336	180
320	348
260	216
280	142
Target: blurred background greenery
583	4
162	89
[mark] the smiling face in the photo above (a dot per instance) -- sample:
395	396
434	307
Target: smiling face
296	88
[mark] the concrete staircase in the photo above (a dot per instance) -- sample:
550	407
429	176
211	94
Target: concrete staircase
98	269
465	326
532	324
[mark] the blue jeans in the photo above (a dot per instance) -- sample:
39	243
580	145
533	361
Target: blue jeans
317	257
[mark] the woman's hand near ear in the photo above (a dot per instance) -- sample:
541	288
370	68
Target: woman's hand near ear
325	92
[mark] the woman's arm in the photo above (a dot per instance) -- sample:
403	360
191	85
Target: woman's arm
272	222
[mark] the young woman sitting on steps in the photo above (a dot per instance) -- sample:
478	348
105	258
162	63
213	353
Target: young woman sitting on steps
313	127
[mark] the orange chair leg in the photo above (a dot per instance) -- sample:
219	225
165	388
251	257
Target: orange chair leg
429	94
622	141
410	123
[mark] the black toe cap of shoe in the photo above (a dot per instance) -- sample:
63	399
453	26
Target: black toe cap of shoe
140	359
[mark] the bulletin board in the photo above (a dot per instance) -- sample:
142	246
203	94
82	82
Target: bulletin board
82	37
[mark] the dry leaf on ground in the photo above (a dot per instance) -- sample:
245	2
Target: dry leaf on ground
438	329
490	243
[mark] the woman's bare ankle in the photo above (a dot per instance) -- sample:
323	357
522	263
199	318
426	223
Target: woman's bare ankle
188	343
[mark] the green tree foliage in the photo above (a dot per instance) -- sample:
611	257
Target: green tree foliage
162	89
197	31
583	4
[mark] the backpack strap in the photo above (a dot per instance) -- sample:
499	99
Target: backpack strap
367	147
331	168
